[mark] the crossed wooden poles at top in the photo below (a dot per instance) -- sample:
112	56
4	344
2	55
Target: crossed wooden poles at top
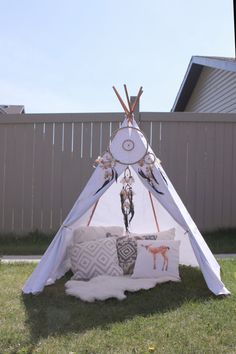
128	111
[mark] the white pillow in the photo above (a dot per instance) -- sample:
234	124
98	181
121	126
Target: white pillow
93	258
166	235
150	235
162	235
93	233
157	259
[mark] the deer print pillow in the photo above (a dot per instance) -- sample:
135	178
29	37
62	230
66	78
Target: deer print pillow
157	259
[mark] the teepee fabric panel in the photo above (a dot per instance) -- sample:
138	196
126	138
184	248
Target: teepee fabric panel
53	264
90	194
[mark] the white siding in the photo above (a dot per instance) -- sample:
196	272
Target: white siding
215	91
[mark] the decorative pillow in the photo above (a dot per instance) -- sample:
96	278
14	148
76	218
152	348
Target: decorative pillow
127	251
109	234
93	233
162	235
93	258
151	236
157	259
166	235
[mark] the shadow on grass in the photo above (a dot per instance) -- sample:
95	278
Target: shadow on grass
54	313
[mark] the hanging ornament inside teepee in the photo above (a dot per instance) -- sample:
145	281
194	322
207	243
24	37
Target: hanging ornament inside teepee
126	198
107	163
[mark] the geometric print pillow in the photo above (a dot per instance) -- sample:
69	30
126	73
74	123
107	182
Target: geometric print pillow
127	254
127	251
93	258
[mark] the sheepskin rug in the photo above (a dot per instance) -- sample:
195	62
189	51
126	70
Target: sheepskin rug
104	287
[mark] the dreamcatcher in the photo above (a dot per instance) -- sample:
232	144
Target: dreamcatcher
126	198
146	171
129	147
107	163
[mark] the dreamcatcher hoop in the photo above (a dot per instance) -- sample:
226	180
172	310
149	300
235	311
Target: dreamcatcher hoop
130	145
149	158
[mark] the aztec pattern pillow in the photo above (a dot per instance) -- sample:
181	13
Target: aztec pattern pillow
93	258
157	259
127	251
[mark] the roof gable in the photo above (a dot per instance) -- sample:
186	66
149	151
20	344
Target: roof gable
192	75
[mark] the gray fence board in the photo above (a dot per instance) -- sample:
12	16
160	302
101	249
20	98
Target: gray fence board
209	172
190	176
9	179
47	176
233	199
218	176
67	175
56	197
2	174
37	176
201	174
227	177
19	177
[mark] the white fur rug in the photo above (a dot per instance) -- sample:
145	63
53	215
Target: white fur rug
104	287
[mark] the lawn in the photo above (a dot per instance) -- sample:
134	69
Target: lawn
173	317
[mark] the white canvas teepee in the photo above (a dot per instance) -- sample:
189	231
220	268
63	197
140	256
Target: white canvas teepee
157	205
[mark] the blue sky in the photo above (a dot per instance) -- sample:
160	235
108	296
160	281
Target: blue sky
64	56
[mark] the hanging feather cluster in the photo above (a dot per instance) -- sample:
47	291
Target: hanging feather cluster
150	178
108	176
107	163
126	198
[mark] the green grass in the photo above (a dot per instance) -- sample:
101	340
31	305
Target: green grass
35	243
173	317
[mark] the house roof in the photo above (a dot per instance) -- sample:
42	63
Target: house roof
192	74
12	109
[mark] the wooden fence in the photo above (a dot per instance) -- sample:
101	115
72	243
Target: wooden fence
46	159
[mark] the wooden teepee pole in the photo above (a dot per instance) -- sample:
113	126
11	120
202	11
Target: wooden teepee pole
121	101
154	212
127	97
93	211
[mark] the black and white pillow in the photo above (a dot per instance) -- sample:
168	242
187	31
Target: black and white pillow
127	254
127	251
